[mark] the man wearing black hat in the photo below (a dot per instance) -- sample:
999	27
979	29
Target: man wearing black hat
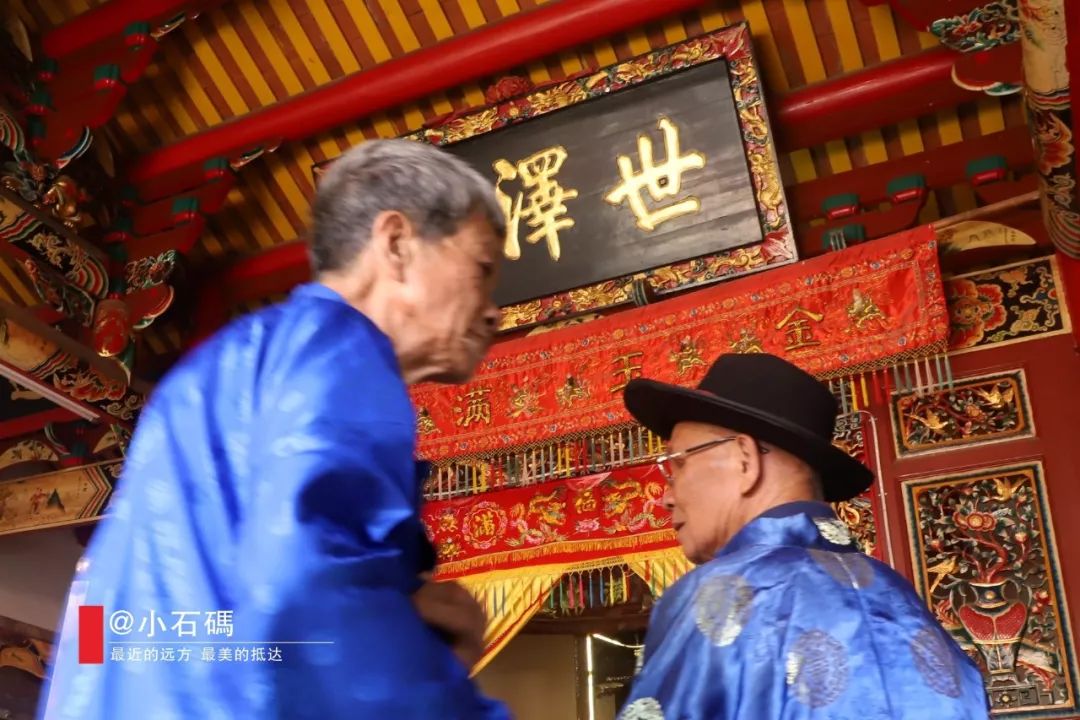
784	617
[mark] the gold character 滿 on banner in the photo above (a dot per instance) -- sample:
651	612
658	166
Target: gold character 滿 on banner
542	203
662	180
477	408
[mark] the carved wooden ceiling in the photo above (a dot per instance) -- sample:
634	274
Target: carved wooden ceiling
249	54
242	56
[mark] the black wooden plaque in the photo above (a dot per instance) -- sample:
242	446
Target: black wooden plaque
606	240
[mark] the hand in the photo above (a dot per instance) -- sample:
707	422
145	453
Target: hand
452	610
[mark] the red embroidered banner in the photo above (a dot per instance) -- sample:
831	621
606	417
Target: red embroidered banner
599	518
841	314
566	521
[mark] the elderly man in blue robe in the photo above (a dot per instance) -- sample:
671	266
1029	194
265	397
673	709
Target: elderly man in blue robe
783	617
267	521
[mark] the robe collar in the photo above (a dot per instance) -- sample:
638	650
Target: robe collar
318	291
796	524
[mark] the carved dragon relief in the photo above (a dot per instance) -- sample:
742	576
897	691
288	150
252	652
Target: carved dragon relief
44	361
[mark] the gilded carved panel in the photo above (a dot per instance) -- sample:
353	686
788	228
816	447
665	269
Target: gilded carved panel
860	512
979	410
984	560
1006	305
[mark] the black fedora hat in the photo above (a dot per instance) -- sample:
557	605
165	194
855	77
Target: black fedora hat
765	397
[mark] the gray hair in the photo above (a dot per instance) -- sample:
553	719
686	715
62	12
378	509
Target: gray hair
436	190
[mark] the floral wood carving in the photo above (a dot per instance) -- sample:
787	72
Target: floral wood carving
985	563
858	513
1006	305
977	410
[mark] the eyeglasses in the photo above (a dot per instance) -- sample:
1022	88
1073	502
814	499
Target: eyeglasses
664	461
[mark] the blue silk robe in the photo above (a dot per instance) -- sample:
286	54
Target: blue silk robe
272	475
790	620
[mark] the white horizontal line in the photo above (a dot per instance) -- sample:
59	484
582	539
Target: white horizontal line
221	642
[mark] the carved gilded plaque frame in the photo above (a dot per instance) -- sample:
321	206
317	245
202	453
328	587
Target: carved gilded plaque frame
732	45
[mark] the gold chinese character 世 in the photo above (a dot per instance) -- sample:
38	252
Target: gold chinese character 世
544	209
477	408
663	180
628	370
796	325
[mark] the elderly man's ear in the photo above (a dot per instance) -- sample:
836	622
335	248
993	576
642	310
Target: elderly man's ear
389	234
748	464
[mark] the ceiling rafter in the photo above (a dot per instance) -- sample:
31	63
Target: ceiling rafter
249	55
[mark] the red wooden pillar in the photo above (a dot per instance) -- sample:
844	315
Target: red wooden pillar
1070	267
1070	276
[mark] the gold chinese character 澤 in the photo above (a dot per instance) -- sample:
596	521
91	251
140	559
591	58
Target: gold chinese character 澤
662	180
477	408
544	208
796	325
628	370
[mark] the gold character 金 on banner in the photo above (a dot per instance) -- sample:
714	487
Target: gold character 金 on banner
626	371
543	208
796	326
477	408
662	180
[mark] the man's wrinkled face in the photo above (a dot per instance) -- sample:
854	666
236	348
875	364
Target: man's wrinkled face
702	495
452	283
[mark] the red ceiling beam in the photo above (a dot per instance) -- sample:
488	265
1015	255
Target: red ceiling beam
941	167
513	42
254	277
25	424
876	97
845	106
108	21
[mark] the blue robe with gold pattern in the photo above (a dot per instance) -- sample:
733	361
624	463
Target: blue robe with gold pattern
791	621
270	485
